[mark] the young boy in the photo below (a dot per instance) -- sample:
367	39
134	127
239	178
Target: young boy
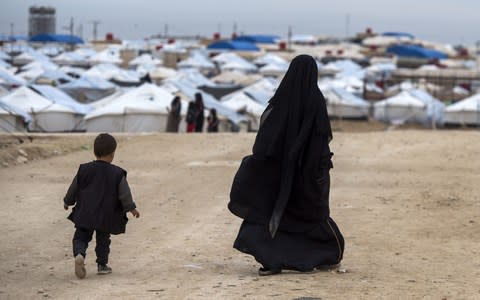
102	198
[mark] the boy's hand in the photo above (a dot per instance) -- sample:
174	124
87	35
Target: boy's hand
135	213
65	206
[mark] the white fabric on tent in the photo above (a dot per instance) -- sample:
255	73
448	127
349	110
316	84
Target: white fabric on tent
46	65
235	65
197	61
274	69
58	96
46	115
159	73
10	121
88	88
113	72
232	61
465	112
243	104
145	59
434	107
240	102
270	58
342	104
143	109
261	91
70	58
401	108
7	79
4	56
108	56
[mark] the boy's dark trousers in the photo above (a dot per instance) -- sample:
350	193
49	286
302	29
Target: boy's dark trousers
83	236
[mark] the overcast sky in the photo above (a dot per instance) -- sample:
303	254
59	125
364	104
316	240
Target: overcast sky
452	21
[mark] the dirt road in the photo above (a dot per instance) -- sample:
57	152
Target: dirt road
408	203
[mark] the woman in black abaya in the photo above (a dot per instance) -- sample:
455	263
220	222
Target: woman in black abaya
282	189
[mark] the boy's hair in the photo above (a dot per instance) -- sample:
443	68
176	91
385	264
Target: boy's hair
104	145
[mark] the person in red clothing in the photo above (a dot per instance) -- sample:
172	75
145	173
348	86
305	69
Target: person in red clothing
191	116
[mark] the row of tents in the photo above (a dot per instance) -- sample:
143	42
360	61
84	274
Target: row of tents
145	109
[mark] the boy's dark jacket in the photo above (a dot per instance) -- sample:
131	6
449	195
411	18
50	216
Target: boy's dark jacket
98	206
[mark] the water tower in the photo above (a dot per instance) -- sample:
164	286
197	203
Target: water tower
41	20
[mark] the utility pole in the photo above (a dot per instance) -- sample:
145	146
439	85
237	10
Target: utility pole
234	27
289	37
12	27
70	29
165	30
80	30
95	24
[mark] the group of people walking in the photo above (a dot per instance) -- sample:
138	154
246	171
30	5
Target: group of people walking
195	118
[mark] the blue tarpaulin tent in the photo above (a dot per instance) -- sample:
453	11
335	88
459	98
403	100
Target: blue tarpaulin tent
398	34
258	39
57	38
416	52
233	45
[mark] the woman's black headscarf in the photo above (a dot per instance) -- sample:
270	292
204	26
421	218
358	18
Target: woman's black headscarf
297	110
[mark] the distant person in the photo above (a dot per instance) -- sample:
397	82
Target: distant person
102	198
200	111
281	191
174	116
191	116
212	120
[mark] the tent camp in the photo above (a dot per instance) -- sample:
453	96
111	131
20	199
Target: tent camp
47	116
465	112
143	109
88	89
401	108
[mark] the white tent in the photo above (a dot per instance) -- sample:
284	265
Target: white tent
12	118
71	59
243	104
465	112
113	73
274	69
232	61
144	109
262	90
108	56
343	104
7	79
401	108
269	58
145	59
196	61
88	89
47	116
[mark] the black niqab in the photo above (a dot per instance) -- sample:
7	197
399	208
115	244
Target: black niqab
296	111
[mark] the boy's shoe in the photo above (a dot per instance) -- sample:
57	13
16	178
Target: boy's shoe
80	270
103	269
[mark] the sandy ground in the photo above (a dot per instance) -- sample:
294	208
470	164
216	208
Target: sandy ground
408	203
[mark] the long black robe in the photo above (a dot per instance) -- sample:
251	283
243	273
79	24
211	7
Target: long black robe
282	189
